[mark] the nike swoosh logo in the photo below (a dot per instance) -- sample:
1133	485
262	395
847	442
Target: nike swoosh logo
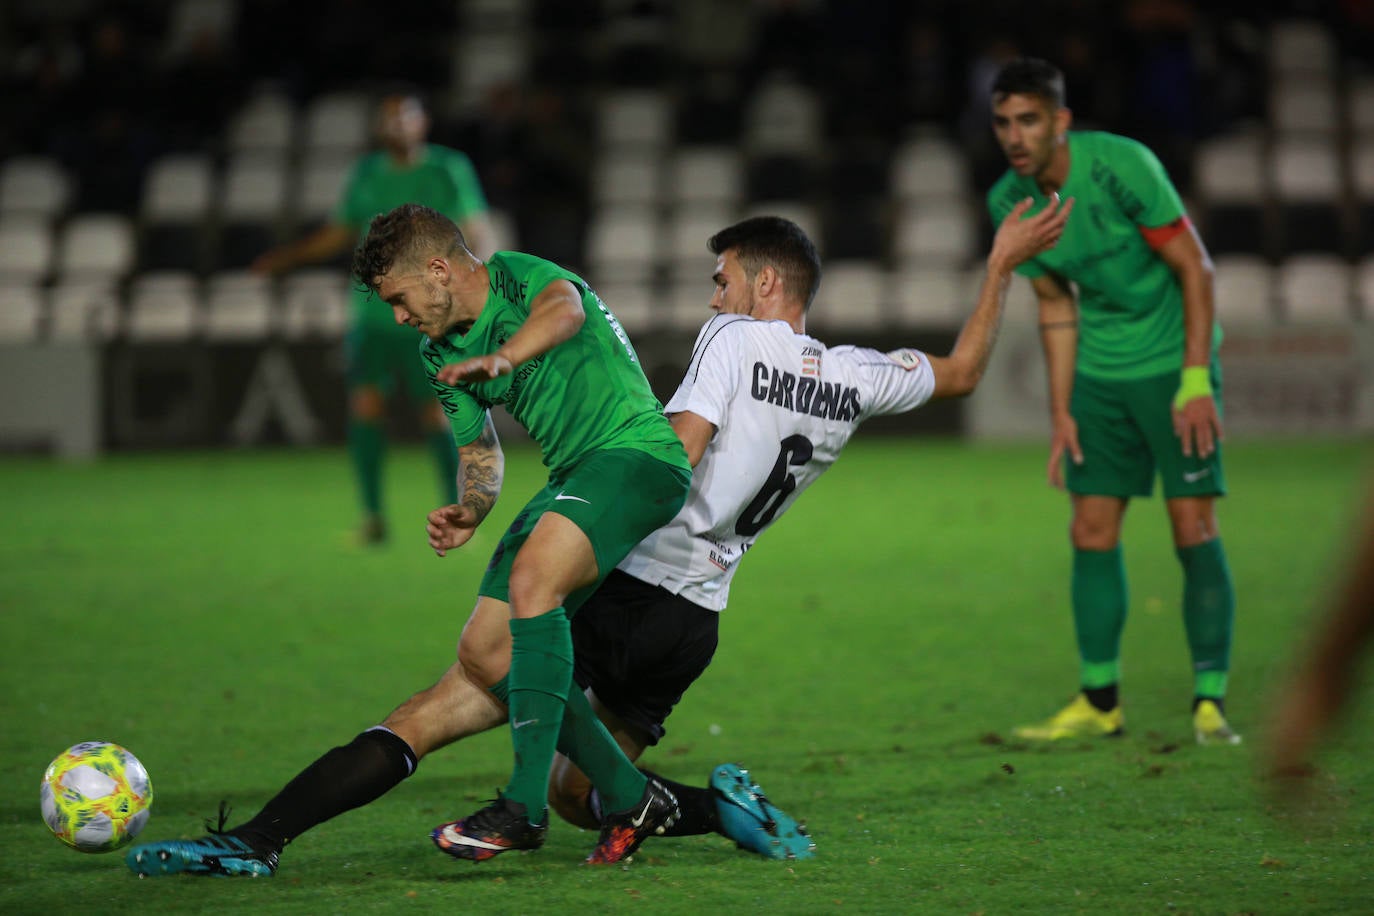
459	839
523	722
637	822
1195	476
566	496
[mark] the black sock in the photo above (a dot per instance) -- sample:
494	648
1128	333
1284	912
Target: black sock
698	808
1102	698
343	779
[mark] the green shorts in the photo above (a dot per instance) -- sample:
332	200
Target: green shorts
617	497
380	355
1126	431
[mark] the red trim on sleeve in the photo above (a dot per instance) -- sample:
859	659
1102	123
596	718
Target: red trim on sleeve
1159	236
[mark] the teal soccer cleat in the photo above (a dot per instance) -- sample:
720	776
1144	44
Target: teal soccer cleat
218	854
752	821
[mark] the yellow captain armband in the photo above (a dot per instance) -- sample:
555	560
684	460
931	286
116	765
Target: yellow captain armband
1195	383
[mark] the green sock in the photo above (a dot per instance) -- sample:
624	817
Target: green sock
586	742
1099	614
446	457
540	677
501	690
367	446
1209	611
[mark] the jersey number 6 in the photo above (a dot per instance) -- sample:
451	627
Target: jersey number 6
796	450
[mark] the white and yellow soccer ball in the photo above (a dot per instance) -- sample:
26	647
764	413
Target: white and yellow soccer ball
96	796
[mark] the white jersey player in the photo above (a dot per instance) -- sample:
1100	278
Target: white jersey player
783	405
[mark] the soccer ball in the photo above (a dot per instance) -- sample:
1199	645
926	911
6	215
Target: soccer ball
95	796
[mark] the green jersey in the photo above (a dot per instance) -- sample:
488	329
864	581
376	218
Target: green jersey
1130	301
443	179
587	393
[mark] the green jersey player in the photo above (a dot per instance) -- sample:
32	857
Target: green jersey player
1134	383
380	353
520	331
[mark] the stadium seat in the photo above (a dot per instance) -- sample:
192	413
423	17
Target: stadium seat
26	248
164	307
238	307
631	176
685	235
852	297
82	310
782	116
320	184
1244	290
935	231
1360	108
21	313
255	186
1364	290
483	57
929	166
178	188
1315	289
337	121
34	185
314	304
705	174
1305	173
927	297
1301	46
266	123
95	246
1231	182
634	119
1362	180
1303	104
623	244
633	306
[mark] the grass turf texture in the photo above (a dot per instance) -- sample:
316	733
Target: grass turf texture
210	613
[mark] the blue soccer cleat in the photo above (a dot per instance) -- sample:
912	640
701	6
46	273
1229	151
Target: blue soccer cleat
218	854
752	821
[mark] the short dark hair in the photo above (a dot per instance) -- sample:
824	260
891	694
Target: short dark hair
761	241
407	233
1030	76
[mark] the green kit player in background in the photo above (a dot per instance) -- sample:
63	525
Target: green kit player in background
1134	385
380	352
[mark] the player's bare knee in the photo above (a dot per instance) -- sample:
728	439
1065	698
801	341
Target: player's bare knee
530	593
367	404
1092	534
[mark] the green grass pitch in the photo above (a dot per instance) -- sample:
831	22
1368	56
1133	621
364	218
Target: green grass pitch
209	612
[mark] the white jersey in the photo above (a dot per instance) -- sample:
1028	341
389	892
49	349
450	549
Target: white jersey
783	406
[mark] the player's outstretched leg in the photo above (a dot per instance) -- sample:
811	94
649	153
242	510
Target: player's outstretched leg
502	826
752	821
220	853
1080	719
623	831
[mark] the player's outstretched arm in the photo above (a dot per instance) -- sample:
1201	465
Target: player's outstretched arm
556	314
324	243
1018	239
481	469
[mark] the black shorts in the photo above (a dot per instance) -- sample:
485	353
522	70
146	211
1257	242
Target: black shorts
639	647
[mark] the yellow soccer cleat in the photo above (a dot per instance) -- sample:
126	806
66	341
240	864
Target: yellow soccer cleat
1210	727
1080	719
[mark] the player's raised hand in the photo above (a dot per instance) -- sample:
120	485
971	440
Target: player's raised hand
477	369
450	527
1022	237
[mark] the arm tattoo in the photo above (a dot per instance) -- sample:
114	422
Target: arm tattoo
481	468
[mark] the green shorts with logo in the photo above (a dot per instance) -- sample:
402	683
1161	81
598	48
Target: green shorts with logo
1126	431
382	355
617	497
